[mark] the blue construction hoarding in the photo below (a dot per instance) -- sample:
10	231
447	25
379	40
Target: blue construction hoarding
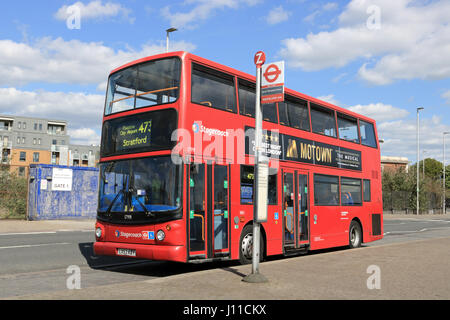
61	192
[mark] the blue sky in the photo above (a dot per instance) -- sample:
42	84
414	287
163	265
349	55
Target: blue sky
382	58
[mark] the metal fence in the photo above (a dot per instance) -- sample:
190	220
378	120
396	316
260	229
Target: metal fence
61	192
404	202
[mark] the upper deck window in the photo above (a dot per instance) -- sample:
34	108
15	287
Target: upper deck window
247	99
367	134
148	84
294	113
269	111
323	121
348	128
213	88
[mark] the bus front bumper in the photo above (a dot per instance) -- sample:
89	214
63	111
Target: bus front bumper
142	251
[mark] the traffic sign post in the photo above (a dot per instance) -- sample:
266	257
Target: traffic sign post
261	178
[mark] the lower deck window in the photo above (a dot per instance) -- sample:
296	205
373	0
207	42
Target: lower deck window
326	190
351	192
247	186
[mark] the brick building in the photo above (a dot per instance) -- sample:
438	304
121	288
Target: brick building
394	163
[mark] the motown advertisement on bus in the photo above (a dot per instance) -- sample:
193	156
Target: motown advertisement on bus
285	147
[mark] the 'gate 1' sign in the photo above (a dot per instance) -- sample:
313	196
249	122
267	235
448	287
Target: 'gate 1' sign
62	179
272	86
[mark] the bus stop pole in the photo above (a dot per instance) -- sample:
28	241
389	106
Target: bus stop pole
255	276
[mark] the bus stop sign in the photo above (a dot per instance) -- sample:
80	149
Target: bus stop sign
272	86
260	59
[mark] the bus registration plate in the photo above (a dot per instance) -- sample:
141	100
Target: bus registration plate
126	252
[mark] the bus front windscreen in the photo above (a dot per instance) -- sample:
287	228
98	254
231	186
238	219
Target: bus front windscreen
143	85
140	190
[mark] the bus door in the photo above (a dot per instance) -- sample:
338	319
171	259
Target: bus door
208	203
295	209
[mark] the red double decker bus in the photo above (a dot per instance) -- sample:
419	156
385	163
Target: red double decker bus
177	167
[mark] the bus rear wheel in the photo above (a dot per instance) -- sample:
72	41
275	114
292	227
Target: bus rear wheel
355	235
246	245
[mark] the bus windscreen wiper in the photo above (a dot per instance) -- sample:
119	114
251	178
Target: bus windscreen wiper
124	185
148	212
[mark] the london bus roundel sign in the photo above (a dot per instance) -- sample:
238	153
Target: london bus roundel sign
260	59
272	73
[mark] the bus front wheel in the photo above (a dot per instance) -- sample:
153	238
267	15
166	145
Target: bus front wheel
355	235
246	245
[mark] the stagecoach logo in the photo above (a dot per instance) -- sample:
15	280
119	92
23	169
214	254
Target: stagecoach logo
209	131
117	233
195	127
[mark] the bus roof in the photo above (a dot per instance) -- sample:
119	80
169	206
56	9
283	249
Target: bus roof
184	54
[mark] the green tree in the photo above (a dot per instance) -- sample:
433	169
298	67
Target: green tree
13	194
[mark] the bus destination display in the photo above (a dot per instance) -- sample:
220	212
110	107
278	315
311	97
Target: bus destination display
134	135
145	132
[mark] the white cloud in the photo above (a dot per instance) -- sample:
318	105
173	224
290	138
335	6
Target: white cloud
311	17
399	131
446	96
330	6
411	42
277	15
400	138
329	98
326	7
84	136
380	112
53	60
82	111
202	10
95	10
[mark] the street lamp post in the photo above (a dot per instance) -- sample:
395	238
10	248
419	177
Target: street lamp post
167	37
423	164
443	169
418	161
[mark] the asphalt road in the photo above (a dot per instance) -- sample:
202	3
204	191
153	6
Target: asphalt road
37	262
410	229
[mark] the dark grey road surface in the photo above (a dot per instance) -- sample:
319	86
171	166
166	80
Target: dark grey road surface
37	262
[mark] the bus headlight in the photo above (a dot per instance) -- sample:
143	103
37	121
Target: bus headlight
98	233
160	235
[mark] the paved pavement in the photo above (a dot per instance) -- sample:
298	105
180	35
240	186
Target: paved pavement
408	270
22	226
415	270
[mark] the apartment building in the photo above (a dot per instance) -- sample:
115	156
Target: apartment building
26	140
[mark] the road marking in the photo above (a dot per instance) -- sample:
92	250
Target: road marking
34	245
414	231
394	224
26	233
426	220
42	232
